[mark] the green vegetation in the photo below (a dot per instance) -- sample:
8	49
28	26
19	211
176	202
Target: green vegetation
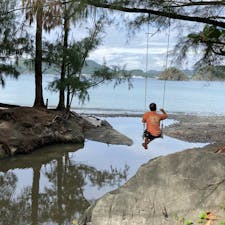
172	74
210	73
210	41
188	222
203	218
13	41
222	205
202	215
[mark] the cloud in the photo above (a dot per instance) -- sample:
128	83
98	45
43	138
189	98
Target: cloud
117	49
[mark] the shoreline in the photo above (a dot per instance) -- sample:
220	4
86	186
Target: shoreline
189	127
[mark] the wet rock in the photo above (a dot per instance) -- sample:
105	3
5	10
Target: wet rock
167	190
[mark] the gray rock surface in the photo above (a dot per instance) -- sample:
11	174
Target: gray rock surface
102	131
167	190
193	128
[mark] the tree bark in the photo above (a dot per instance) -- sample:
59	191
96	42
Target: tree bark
39	102
61	104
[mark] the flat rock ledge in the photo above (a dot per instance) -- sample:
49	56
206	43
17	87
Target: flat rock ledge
24	129
196	128
168	190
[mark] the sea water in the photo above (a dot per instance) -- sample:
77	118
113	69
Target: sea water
191	97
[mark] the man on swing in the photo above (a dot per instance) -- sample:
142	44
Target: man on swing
152	120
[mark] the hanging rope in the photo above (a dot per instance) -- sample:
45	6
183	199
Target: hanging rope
147	62
146	68
146	65
166	67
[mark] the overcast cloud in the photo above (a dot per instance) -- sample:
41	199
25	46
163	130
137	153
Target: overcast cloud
120	49
117	49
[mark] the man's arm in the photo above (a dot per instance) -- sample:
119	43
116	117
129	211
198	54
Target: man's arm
164	113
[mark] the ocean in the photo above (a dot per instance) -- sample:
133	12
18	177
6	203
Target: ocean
191	97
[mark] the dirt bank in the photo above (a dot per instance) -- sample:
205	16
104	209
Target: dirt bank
24	129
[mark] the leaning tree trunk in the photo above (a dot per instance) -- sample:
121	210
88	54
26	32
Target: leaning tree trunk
39	102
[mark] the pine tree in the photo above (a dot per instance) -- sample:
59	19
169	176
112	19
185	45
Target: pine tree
40	11
13	40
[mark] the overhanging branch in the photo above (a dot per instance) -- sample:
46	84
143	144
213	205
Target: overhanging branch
158	12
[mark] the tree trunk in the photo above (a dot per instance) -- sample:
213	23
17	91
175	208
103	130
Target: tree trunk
39	102
68	99
61	104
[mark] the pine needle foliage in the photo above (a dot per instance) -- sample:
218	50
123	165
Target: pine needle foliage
76	83
13	40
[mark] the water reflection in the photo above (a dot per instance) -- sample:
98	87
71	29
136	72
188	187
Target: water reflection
54	185
55	193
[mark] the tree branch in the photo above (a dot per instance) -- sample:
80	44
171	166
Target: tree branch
159	13
200	3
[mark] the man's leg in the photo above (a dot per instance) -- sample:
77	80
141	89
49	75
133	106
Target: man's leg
146	142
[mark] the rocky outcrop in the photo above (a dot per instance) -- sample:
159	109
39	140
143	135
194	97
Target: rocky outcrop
172	73
168	190
24	129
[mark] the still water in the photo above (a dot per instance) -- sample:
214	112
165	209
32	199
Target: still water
54	185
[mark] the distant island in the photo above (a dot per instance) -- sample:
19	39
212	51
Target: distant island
209	73
173	73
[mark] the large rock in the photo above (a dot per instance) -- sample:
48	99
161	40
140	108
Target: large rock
168	190
24	129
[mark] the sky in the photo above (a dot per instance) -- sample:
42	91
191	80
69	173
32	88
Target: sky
118	49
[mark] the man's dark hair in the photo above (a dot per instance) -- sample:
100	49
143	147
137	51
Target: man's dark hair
152	107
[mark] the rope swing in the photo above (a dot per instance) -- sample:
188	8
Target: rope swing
146	66
166	66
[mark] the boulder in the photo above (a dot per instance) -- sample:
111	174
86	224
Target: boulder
24	129
167	190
